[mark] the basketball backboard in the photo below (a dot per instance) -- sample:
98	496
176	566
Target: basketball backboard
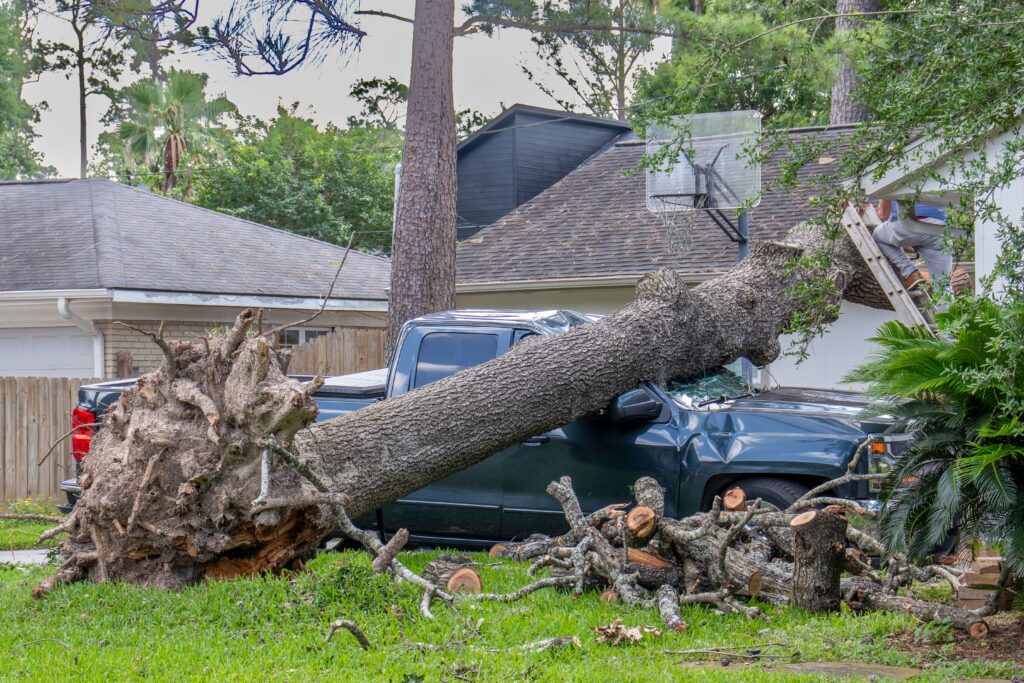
711	168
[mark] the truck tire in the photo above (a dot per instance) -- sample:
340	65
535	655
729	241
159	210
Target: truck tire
778	492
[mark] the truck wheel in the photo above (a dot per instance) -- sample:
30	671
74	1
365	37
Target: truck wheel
778	492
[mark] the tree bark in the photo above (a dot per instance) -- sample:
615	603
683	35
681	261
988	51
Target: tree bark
819	551
845	107
423	247
216	453
83	93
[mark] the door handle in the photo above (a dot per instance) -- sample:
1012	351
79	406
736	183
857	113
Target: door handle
537	440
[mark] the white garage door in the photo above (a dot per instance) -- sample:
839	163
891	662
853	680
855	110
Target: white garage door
45	352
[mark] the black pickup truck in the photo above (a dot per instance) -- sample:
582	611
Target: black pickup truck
697	436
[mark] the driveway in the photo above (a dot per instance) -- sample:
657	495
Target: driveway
36	556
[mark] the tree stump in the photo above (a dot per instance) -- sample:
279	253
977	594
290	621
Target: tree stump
819	549
454	573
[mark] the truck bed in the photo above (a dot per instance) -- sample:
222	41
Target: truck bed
348	393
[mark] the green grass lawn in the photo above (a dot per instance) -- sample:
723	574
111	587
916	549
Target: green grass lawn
273	628
18	535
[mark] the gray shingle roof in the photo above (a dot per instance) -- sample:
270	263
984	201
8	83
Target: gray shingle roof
92	234
594	222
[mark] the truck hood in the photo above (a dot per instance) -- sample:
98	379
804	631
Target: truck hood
832	403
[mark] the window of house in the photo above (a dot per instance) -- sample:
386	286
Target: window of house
445	353
294	336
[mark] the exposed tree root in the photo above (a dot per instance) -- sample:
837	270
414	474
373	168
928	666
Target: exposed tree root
170	479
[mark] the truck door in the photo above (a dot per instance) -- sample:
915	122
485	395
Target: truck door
603	459
466	504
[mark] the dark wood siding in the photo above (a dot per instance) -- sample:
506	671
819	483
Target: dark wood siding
510	164
486	182
547	151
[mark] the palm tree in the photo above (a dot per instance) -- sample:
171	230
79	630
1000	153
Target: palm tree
961	392
167	120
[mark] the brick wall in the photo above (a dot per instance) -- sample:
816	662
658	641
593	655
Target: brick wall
145	355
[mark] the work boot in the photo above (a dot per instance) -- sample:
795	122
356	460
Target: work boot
914	281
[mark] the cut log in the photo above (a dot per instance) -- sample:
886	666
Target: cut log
863	594
496	550
454	572
652	578
819	551
734	500
229	426
641	522
648	493
464	580
645	558
668	606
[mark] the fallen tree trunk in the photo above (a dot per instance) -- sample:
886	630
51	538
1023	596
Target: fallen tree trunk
210	466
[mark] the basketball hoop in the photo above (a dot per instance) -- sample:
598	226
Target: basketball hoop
677	218
710	177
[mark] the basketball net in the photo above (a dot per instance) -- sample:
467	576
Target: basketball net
677	219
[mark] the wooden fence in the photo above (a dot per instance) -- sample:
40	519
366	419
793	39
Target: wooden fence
346	350
34	413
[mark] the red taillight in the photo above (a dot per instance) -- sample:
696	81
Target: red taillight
81	439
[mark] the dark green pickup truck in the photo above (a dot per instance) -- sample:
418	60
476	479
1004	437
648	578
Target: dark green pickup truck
697	436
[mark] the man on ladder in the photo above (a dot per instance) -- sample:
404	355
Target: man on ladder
919	231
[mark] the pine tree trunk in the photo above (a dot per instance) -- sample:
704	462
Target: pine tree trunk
423	251
83	94
172	485
845	107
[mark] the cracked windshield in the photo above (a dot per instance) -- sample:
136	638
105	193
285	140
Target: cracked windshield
710	391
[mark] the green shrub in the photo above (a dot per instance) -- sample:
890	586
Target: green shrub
962	392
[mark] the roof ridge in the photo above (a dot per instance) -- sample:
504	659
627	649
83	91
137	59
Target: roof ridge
39	181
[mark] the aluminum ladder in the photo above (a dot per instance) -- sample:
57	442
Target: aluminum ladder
906	304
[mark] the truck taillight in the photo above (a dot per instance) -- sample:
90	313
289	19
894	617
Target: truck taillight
81	438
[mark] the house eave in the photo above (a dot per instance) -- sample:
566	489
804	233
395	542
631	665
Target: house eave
141	296
54	294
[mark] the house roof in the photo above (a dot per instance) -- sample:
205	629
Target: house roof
594	223
94	234
506	119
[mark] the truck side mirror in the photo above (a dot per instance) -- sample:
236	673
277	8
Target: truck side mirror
633	406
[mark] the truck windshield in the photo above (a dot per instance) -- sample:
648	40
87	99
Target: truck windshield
718	382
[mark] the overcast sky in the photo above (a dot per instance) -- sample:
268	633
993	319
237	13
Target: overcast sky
487	76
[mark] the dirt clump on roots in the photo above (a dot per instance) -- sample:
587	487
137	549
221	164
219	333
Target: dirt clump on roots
174	472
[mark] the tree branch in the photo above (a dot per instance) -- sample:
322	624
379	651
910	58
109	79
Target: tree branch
388	15
477	23
820	17
327	297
